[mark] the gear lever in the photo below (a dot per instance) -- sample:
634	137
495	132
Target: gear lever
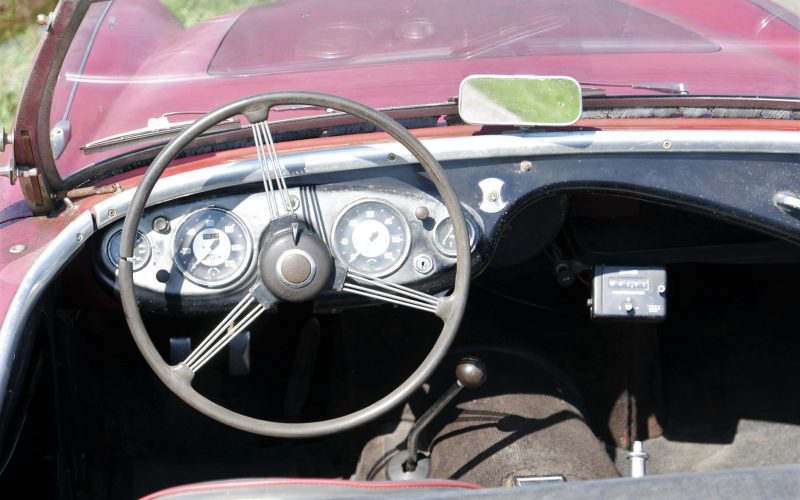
470	373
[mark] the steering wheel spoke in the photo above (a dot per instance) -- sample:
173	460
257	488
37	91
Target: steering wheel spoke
240	317
380	289
278	200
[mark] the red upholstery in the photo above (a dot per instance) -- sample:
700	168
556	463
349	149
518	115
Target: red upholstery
260	483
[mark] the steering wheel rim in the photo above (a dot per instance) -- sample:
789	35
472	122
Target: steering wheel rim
178	378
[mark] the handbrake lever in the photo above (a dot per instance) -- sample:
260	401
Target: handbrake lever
470	373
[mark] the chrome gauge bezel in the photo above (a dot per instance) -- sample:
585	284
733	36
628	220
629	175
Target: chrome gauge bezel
139	234
406	231
472	232
246	261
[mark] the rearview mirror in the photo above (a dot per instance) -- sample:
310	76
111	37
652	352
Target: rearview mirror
520	100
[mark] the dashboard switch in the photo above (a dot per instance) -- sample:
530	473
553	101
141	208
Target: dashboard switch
629	293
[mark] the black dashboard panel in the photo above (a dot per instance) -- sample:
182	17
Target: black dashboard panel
735	188
224	230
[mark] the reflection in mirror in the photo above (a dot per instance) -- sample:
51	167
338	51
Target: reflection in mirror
519	100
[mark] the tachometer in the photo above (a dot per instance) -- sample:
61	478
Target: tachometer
372	237
212	247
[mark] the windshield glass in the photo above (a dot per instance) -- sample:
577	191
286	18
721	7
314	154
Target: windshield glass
139	65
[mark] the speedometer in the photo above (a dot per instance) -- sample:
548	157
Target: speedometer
212	247
372	237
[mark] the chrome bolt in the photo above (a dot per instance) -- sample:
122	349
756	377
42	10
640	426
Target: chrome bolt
493	196
19	248
111	212
525	166
421	213
661	289
294	202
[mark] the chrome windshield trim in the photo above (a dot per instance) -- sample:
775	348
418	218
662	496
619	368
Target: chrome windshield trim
51	261
517	144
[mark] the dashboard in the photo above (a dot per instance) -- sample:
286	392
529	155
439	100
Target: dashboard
202	252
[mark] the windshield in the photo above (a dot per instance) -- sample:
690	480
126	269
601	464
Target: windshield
139	65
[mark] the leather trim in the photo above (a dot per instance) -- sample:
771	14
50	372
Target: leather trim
260	483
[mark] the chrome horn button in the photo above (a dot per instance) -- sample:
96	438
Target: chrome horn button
296	268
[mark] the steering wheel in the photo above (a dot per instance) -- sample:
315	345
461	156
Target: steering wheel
295	265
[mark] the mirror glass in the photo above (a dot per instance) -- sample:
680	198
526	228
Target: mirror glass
519	100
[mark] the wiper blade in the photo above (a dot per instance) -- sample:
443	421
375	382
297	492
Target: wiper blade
675	88
157	128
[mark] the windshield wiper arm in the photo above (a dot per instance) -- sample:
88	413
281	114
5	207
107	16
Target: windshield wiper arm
675	88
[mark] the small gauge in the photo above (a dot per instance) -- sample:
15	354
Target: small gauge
212	247
141	250
445	238
372	237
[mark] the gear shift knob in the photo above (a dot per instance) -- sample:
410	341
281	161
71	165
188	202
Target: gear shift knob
471	372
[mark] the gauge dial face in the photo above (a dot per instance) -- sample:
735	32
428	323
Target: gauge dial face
141	250
445	238
212	247
372	237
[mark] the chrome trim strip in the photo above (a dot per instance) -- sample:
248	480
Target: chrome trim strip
51	261
517	144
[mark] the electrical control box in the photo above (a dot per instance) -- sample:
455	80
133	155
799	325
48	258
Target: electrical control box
629	293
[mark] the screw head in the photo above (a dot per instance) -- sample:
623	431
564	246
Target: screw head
78	237
525	166
493	196
111	212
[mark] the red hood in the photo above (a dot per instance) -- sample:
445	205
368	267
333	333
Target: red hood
408	52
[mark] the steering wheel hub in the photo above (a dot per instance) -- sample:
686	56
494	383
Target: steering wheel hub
296	268
295	264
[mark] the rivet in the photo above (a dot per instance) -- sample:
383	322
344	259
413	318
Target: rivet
666	144
112	212
392	157
78	237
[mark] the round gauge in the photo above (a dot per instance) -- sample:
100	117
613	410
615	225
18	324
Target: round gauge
445	239
212	247
372	237
141	250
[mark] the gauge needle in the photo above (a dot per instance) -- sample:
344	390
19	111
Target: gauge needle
211	248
